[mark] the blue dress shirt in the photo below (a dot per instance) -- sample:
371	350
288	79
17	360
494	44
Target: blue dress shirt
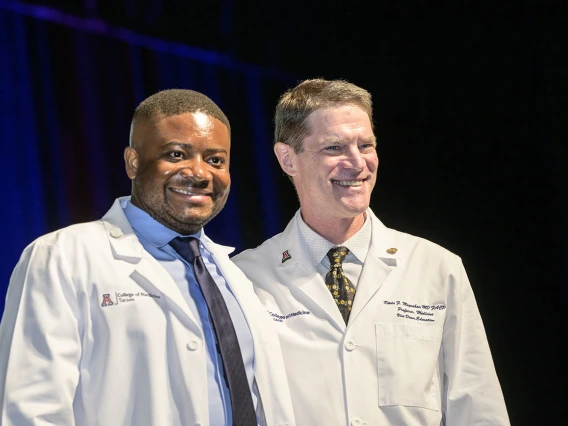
155	239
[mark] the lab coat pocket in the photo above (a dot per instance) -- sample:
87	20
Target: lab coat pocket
407	357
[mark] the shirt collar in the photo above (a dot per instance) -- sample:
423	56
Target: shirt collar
149	228
317	246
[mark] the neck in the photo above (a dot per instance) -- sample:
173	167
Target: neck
335	230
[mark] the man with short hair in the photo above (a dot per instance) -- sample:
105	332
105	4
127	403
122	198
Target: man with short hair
139	318
377	327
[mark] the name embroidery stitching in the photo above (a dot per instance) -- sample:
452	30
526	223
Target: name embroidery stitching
280	318
416	312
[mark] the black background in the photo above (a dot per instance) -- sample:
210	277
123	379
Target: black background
469	97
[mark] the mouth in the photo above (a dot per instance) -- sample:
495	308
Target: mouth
348	183
193	194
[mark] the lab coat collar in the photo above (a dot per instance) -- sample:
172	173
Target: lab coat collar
380	262
383	243
126	247
303	275
124	242
378	265
217	250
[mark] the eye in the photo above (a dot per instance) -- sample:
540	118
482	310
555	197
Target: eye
367	147
216	161
175	154
333	148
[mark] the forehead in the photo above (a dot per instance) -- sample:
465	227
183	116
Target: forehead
341	118
187	122
186	127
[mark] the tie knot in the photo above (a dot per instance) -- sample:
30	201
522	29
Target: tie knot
336	255
187	247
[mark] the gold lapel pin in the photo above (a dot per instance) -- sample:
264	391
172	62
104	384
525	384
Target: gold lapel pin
392	250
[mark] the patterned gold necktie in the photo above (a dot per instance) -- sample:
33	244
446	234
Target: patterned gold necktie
341	288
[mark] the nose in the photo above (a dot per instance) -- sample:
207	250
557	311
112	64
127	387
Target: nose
195	168
355	159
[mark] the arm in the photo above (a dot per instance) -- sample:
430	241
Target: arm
40	344
472	394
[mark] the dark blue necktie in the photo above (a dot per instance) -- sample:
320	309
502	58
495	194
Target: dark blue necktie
241	399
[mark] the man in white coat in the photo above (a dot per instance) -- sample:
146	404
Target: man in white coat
112	323
377	327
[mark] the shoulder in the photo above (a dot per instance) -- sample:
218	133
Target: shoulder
72	236
54	253
408	245
422	243
89	235
271	249
267	249
83	243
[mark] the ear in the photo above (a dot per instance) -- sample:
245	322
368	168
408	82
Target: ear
131	162
286	157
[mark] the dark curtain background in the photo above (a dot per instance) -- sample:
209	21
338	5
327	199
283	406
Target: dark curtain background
68	91
469	102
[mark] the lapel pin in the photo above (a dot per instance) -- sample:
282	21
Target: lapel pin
392	250
116	233
286	256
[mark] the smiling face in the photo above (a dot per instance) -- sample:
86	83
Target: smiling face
336	171
179	166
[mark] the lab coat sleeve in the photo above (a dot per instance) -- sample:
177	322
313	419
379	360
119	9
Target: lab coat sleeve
40	345
472	394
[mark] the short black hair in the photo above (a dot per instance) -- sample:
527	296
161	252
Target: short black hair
171	102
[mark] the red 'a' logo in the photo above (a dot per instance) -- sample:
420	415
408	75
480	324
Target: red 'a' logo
106	300
286	256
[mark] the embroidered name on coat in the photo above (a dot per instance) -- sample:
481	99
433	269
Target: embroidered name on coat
416	312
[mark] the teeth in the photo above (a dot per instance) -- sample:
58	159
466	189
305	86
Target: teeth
349	182
181	191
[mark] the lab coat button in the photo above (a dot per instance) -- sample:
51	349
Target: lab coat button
349	345
356	422
116	233
193	345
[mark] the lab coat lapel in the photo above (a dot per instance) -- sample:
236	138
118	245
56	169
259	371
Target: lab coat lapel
239	285
265	337
146	270
242	289
303	277
377	268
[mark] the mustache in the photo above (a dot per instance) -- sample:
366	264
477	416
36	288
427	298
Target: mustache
192	182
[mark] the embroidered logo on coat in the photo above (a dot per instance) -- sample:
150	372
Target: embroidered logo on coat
106	300
120	298
280	318
286	256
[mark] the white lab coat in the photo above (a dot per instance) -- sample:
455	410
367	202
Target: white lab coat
415	351
67	360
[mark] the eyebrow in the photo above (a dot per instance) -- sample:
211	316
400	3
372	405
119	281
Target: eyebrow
189	146
370	139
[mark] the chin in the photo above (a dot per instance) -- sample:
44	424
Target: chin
354	211
195	219
355	206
